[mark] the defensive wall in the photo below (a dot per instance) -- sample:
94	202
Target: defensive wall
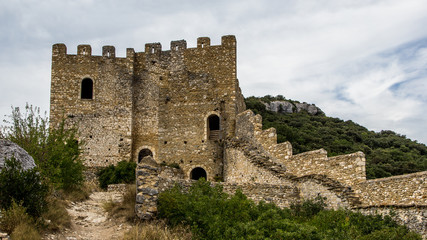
262	176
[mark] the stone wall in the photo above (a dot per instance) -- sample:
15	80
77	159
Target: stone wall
404	190
348	169
156	101
105	119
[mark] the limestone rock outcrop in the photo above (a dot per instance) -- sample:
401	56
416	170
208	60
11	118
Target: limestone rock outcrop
9	149
288	107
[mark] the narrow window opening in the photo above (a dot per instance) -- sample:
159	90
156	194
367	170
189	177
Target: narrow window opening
214	128
144	153
152	50
87	89
198	173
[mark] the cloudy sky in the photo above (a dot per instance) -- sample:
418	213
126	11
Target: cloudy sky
362	60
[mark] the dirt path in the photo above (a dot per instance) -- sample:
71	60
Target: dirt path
90	221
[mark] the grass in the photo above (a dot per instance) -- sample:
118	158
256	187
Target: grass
124	209
25	231
56	217
13	217
157	230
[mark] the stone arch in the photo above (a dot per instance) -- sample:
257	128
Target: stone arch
86	89
213	124
198	173
144	153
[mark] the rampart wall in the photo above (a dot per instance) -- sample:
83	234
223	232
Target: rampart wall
403	190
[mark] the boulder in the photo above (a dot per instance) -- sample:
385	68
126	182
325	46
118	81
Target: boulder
9	149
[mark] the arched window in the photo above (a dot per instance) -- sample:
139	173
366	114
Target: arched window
214	128
198	173
143	153
87	89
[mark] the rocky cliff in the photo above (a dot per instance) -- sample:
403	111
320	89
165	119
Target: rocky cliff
292	107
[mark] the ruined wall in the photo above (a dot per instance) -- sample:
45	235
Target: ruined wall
348	169
403	190
157	101
104	121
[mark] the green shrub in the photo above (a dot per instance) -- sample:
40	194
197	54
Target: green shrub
25	187
55	151
124	172
212	214
309	207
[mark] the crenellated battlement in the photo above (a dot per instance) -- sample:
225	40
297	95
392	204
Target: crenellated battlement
151	49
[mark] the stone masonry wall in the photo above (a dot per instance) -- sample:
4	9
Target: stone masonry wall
104	121
348	169
404	190
156	101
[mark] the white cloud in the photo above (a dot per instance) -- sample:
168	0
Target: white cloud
358	60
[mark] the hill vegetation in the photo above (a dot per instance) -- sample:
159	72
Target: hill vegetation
387	153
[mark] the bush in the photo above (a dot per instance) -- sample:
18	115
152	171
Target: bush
25	231
24	187
212	214
55	151
309	208
124	172
12	217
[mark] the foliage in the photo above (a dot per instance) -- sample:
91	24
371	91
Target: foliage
55	151
212	214
387	153
22	186
308	208
124	172
13	216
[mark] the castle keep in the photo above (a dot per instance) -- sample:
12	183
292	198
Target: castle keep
183	107
174	105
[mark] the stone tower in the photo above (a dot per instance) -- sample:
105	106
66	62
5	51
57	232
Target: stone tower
176	105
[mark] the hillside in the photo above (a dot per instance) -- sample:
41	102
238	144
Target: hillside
387	153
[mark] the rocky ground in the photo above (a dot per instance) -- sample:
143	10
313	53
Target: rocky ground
90	221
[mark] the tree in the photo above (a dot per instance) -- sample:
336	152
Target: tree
56	151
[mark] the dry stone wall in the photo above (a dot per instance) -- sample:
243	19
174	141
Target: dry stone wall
404	190
348	169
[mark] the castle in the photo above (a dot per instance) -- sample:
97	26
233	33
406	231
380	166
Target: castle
183	107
